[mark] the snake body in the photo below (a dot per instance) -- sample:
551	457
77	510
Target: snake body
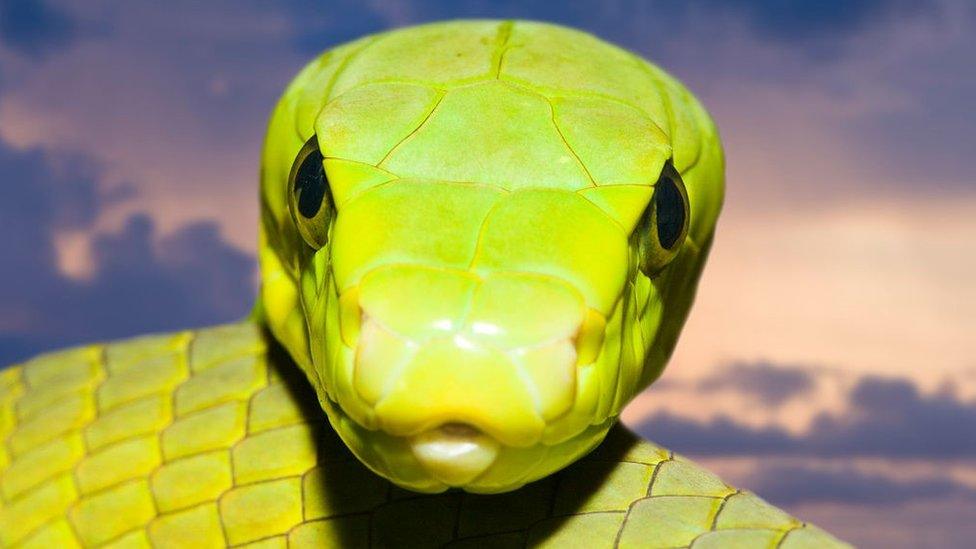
479	240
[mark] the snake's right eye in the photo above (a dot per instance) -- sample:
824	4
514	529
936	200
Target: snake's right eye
310	199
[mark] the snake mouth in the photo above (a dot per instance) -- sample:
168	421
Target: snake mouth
454	453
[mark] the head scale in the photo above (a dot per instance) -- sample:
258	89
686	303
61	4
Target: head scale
480	240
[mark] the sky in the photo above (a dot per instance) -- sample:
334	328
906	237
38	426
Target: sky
829	363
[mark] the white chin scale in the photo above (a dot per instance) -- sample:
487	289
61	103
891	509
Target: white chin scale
454	453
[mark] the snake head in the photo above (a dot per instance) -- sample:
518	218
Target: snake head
480	240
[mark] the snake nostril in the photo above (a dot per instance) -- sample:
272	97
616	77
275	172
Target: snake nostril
350	316
589	339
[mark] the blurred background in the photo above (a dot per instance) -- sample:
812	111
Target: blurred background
830	362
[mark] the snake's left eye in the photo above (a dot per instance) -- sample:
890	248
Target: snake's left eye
310	199
664	225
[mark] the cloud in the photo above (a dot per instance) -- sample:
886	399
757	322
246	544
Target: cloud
816	26
786	22
721	436
771	384
791	484
927	139
189	278
142	281
344	20
40	193
173	100
891	417
884	418
887	446
35	29
945	523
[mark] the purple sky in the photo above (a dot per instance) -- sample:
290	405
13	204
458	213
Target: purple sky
829	362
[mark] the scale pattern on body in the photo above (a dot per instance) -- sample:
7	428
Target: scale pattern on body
206	439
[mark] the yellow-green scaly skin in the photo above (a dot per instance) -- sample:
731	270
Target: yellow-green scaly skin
213	438
485	174
482	267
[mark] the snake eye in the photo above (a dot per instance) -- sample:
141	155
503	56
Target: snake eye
310	198
664	225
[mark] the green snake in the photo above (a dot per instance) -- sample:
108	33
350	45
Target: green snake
478	241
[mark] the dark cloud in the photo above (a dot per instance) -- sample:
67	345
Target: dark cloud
791	484
886	418
721	437
771	384
40	194
33	28
891	417
816	27
189	278
141	282
342	21
930	140
14	347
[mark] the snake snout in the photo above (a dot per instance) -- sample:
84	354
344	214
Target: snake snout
452	380
434	349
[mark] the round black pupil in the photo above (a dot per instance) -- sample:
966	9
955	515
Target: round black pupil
670	212
310	184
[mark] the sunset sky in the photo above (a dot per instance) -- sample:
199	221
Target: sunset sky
830	361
